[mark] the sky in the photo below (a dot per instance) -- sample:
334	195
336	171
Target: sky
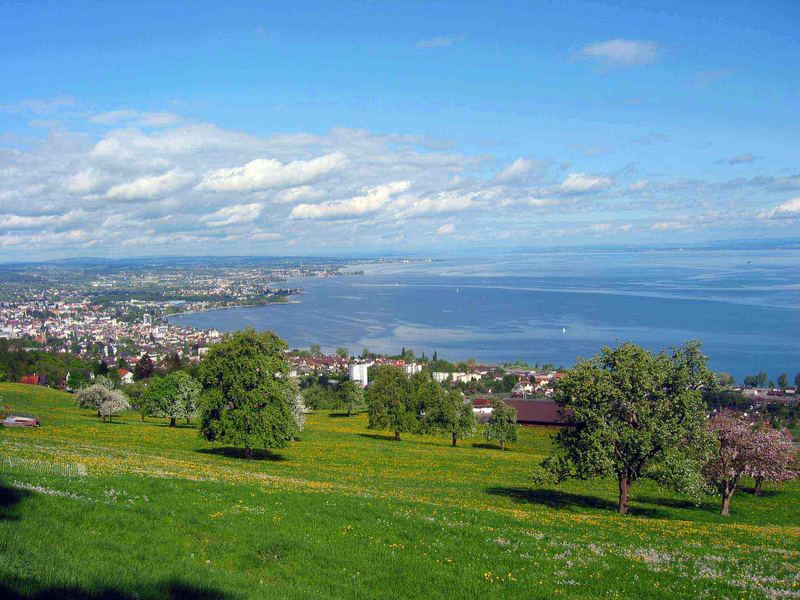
290	128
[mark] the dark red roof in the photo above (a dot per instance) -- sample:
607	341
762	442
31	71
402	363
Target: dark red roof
536	412
29	379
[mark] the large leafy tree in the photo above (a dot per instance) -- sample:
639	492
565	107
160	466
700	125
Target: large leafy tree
389	403
454	416
632	412
502	425
248	398
425	397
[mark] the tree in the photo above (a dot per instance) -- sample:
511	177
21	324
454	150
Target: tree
188	393
797	380
756	381
173	396
105	401
502	425
115	403
454	416
315	349
137	398
783	381
773	459
144	368
632	412
726	379
248	398
389	401
342	352
161	396
318	397
351	397
426	397
92	397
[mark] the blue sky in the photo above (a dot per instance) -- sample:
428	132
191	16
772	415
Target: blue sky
306	127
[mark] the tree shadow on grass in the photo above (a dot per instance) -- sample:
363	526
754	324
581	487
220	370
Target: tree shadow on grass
340	415
29	589
386	437
486	446
568	501
9	498
231	452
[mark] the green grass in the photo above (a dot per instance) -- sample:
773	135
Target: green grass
347	512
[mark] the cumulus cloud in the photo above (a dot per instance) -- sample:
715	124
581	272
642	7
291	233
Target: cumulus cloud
233	215
582	183
150	187
519	170
670	225
443	202
621	52
266	173
789	209
371	201
296	194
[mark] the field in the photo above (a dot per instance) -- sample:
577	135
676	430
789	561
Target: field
346	512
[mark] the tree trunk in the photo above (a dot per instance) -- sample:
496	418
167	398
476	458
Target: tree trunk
142	416
187	420
349	411
759	482
397	435
502	444
172	422
454	440
248	453
726	502
624	487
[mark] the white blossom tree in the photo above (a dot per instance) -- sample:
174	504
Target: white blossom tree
114	403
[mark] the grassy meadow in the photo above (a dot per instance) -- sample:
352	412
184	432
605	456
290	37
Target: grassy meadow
346	512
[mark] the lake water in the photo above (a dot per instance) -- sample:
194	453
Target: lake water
551	307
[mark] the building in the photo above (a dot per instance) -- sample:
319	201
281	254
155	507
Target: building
147	319
412	368
358	373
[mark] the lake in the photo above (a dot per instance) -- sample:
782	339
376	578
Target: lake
550	307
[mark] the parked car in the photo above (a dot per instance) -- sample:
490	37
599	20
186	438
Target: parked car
15	421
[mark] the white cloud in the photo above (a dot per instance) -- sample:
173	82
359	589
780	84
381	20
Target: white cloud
40	106
446	229
233	215
84	182
371	201
789	209
150	187
581	183
266	236
296	194
600	227
670	225
621	52
520	170
639	186
147	119
443	202
267	173
441	41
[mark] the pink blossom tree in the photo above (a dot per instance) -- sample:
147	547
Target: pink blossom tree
774	457
745	448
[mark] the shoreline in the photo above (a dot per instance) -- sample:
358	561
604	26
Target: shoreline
205	310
